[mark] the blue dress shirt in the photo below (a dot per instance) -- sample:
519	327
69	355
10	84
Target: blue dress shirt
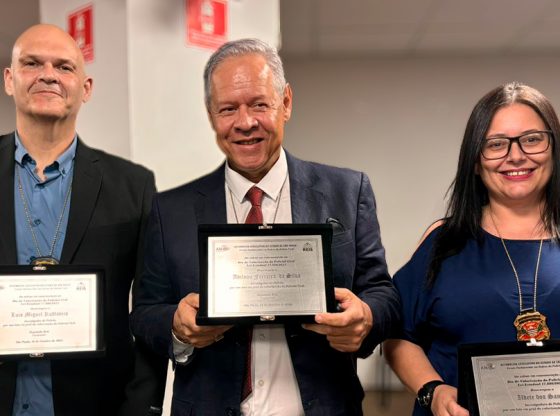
45	201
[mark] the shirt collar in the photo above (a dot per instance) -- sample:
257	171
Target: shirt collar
271	184
63	162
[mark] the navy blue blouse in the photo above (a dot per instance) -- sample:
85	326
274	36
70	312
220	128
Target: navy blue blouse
475	297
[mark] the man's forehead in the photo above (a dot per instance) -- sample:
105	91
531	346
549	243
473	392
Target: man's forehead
245	91
47	55
241	73
243	68
46	41
47	49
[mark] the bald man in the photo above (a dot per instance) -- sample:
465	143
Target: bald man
64	202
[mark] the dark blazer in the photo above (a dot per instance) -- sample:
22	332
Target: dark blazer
211	383
110	202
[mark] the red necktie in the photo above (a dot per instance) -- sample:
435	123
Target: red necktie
255	216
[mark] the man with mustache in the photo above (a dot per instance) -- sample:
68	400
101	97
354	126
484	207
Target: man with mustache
290	370
64	202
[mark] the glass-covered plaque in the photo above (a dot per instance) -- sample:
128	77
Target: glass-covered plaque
50	311
260	274
513	379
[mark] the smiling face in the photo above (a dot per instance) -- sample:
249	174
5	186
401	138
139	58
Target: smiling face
248	114
46	77
518	178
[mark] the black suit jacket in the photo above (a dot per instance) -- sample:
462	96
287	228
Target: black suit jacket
211	383
110	202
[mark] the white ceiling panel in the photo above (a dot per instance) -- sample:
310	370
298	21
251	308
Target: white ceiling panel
545	37
366	12
513	11
350	44
414	27
335	13
454	43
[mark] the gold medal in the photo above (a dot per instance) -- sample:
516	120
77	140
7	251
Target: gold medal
44	261
531	325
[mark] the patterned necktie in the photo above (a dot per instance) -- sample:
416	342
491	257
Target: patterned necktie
255	216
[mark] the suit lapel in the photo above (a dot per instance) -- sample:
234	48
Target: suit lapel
8	253
85	190
211	202
307	202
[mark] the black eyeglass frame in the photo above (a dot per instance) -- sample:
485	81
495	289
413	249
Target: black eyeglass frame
516	140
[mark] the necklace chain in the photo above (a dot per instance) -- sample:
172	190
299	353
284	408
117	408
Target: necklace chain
515	270
30	223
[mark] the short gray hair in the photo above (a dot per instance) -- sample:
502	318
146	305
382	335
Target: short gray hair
245	47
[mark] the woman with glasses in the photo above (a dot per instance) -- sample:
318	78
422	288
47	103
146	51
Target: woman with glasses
490	270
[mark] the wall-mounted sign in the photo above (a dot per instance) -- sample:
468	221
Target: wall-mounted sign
80	27
206	23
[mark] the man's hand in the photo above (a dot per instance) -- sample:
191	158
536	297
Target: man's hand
346	330
186	329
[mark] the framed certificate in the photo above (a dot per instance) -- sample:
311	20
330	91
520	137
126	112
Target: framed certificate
264	274
510	378
51	311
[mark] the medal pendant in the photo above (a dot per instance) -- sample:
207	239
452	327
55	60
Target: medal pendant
531	324
44	261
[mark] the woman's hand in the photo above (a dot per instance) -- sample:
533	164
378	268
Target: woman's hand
445	403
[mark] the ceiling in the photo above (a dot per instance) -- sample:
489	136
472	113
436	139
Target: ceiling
419	27
383	27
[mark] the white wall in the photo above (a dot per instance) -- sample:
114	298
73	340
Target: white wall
400	120
147	102
104	120
170	129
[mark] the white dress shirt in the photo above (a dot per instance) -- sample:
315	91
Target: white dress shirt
275	388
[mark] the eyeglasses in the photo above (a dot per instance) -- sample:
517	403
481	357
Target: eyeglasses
530	143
